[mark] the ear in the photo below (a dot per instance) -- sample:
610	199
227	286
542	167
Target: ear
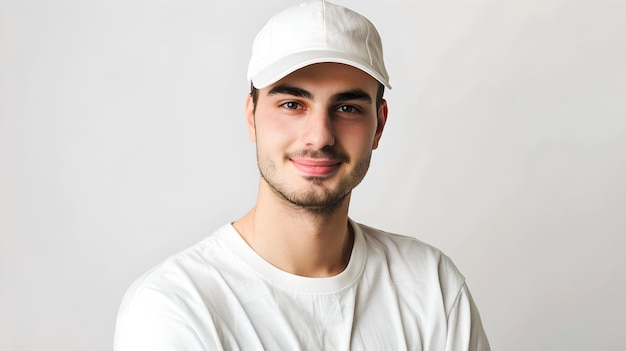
381	120
250	118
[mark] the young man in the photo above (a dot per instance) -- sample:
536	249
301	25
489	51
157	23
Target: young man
295	273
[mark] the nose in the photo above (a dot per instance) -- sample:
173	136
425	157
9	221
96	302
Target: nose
318	131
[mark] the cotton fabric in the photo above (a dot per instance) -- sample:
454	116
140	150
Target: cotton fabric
397	293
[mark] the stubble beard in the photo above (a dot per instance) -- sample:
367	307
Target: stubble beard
317	198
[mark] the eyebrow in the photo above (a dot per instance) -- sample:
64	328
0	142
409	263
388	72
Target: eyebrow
354	94
290	90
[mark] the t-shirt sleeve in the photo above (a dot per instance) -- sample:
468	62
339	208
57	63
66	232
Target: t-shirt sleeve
465	330
151	320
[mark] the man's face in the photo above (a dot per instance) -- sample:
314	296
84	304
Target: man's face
315	131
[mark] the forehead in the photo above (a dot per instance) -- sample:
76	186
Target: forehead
332	77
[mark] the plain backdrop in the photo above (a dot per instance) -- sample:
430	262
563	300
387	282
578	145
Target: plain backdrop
122	141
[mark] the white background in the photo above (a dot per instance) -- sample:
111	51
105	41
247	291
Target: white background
122	141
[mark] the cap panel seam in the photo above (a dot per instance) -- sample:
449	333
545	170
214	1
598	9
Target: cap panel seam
367	45
324	22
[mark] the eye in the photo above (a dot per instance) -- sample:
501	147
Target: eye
291	105
348	109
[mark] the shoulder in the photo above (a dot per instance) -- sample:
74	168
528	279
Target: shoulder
185	263
182	274
412	261
160	307
405	248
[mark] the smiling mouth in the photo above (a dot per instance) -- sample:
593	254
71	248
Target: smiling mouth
316	167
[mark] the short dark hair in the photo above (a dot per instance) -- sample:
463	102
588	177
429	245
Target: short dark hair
254	92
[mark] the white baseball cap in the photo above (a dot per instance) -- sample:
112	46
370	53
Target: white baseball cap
314	32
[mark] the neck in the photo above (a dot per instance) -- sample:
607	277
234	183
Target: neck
301	241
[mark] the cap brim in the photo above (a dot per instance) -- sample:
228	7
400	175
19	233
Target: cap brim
293	62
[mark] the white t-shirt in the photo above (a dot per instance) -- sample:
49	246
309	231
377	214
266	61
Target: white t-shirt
396	293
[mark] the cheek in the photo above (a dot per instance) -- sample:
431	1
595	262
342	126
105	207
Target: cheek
358	139
273	136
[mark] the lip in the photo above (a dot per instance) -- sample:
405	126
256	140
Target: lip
316	167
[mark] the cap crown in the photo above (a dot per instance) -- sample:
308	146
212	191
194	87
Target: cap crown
314	32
